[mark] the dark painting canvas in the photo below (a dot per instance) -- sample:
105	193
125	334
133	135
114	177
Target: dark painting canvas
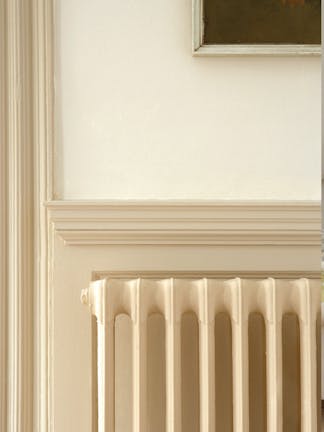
262	21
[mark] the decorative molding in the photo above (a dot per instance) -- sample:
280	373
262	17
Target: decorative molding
20	203
26	108
199	49
3	224
43	98
186	223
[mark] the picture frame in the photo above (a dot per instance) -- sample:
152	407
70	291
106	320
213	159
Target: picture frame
201	48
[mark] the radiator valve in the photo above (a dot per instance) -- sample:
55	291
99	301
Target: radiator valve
85	296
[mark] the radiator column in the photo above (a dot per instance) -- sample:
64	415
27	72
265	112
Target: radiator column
173	349
206	362
308	355
139	361
274	359
240	359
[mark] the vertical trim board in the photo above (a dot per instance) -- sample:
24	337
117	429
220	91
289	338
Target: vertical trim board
43	59
20	203
3	222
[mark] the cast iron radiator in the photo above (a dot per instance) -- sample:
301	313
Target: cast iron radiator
206	298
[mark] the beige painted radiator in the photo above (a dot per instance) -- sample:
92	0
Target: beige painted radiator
238	299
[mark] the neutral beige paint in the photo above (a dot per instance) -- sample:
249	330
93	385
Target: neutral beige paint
61	395
16	222
140	118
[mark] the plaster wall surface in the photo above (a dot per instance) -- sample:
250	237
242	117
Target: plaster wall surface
139	117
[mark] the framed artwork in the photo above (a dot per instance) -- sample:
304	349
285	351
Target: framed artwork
267	27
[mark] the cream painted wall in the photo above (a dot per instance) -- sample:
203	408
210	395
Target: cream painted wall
139	117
